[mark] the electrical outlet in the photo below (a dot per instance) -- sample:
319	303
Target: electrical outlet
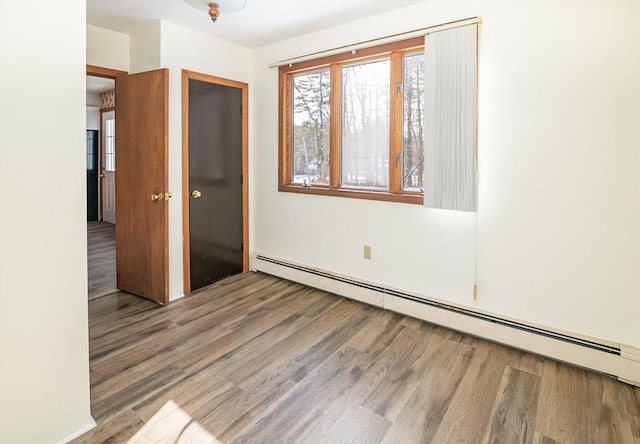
367	252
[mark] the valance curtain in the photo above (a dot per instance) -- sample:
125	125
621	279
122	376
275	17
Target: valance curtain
450	180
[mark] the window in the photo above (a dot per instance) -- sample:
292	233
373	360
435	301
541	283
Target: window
310	116
351	125
413	122
110	144
365	124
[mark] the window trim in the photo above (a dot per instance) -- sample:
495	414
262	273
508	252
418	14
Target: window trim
395	51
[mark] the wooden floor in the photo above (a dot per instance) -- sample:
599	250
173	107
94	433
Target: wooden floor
101	255
257	359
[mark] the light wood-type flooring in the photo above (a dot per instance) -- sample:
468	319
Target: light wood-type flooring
257	359
101	258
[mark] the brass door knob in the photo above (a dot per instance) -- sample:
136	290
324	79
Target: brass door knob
196	194
160	196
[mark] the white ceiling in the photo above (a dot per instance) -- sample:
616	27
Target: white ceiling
99	84
261	22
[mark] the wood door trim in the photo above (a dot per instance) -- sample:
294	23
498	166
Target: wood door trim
166	186
186	247
107	73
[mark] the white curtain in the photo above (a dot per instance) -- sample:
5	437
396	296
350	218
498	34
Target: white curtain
450	119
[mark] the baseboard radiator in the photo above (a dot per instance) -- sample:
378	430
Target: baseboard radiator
617	360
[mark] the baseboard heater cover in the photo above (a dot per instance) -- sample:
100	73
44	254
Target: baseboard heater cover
598	356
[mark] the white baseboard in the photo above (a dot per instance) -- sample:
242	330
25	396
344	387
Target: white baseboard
79	432
619	360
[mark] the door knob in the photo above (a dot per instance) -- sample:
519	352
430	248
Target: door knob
196	194
160	196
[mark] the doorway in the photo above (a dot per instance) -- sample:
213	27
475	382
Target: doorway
98	90
141	194
215	217
101	248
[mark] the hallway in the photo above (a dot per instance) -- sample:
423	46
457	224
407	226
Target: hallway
101	258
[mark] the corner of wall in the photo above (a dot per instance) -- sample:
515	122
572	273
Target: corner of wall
145	48
107	48
70	437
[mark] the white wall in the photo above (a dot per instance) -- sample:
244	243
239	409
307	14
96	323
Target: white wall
559	194
106	48
165	45
144	48
186	49
44	370
93	99
93	118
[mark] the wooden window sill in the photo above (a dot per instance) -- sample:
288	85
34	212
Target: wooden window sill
411	198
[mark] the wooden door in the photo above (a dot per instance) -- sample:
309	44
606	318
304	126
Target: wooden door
108	174
215	131
142	185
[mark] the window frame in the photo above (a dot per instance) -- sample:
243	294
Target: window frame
395	52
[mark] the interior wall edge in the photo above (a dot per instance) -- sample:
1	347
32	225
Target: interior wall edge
81	431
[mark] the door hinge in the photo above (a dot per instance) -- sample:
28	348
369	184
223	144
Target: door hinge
241	248
241	110
242	179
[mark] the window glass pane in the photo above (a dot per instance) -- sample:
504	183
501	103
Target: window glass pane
365	125
110	144
413	120
90	144
311	128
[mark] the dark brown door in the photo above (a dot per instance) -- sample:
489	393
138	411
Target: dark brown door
215	182
92	175
142	185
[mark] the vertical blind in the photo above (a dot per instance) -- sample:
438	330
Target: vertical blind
450	180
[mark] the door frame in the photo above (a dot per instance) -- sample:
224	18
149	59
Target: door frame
186	243
107	73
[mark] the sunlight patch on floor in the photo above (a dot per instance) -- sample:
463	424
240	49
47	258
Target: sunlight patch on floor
172	425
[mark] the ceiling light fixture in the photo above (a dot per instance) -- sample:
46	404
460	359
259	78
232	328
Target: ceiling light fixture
218	6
